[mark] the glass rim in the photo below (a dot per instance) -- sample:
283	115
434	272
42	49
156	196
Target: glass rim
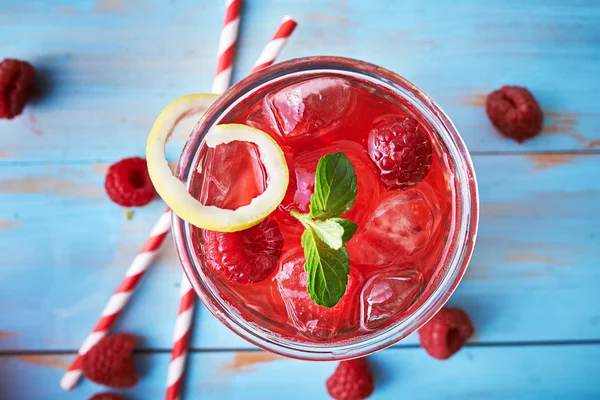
466	199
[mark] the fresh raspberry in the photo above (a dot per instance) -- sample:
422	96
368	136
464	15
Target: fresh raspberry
16	86
128	183
401	149
446	333
110	362
246	256
515	112
106	396
351	380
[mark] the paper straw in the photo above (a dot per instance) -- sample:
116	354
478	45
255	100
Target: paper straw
227	43
181	337
274	47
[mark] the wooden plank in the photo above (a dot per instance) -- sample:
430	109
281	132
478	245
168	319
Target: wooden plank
109	67
534	275
539	372
536	255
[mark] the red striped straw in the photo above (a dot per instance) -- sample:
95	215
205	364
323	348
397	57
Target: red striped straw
183	323
121	296
274	47
181	337
132	277
227	43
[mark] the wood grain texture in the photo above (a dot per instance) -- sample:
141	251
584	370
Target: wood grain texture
107	67
474	373
533	276
108	70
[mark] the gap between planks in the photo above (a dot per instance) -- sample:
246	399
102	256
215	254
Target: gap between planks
592	342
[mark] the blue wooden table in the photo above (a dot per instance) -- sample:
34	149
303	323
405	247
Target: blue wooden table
109	66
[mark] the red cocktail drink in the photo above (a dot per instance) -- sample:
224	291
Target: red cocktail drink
415	208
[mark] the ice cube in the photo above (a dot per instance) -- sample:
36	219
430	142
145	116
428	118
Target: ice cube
232	175
311	107
315	322
387	294
257	119
400	227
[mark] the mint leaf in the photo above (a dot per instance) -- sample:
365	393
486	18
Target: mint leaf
329	231
335	187
349	227
327	261
327	270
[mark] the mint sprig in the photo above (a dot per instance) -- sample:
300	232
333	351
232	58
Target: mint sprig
327	261
335	187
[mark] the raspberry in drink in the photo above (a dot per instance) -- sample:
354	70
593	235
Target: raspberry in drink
405	229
